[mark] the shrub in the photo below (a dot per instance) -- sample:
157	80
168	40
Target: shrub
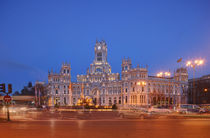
114	106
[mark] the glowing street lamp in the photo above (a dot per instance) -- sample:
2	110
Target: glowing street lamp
164	74
193	64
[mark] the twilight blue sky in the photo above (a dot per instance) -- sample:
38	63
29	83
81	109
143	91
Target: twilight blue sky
39	35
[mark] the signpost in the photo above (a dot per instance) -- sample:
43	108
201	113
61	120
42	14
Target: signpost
7	99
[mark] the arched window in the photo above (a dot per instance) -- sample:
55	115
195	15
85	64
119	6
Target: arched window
98	70
99	56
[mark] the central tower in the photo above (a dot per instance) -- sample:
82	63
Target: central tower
100	52
100	64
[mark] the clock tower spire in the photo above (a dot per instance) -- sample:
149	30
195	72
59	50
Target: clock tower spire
100	64
100	52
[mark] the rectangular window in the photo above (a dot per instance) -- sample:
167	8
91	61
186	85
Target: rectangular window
115	100
110	101
64	100
103	100
119	100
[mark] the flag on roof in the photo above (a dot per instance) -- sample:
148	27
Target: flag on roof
179	60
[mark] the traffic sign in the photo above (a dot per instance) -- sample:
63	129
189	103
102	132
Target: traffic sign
7	98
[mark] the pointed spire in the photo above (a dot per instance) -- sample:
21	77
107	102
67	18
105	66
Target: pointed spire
51	71
87	71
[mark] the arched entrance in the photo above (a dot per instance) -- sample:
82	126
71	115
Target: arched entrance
95	95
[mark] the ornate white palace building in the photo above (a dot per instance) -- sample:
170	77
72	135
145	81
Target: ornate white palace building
135	88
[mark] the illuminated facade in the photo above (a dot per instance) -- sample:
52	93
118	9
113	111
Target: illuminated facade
135	88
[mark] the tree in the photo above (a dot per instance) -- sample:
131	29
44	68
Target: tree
30	84
16	93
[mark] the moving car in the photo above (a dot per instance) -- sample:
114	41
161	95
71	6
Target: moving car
134	114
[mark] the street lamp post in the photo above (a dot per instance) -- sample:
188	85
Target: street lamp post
193	64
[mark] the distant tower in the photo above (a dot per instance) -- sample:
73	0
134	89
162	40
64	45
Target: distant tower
181	74
66	71
126	64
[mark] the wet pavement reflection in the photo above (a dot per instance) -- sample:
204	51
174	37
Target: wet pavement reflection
190	128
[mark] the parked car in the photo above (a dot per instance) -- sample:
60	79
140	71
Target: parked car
190	108
206	107
159	110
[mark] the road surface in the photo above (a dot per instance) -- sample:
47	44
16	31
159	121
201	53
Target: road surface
100	125
124	128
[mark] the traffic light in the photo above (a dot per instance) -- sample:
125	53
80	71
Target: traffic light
2	87
9	88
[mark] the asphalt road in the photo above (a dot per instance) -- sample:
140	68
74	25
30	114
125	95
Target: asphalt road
99	125
110	128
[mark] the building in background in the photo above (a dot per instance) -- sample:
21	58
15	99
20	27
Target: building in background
58	86
102	87
201	89
41	93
